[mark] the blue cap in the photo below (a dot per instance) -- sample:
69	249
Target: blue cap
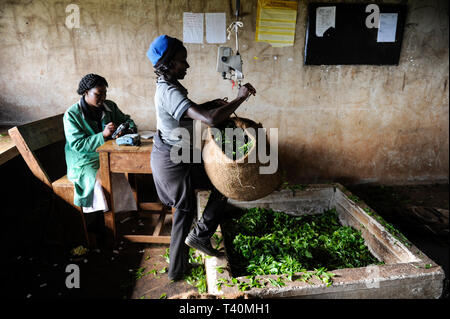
158	47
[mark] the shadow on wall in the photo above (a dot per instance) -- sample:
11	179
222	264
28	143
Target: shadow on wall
325	164
301	165
11	115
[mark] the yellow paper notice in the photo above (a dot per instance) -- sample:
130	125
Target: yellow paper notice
275	22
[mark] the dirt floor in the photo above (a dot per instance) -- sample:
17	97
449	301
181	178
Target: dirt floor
139	271
129	270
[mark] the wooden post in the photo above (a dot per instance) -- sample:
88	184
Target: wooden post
132	180
105	176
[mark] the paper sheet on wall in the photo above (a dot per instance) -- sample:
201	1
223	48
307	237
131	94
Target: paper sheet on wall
387	27
275	22
192	27
325	18
215	27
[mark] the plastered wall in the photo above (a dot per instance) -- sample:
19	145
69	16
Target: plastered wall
379	124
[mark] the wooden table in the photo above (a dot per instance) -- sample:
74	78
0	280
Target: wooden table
136	160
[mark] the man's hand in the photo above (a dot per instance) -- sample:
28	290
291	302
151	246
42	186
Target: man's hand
109	130
246	90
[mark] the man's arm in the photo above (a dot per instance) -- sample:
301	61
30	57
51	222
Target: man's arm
213	104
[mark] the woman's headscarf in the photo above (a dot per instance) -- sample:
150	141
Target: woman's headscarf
162	50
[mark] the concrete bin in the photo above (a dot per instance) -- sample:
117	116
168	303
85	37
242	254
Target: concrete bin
406	272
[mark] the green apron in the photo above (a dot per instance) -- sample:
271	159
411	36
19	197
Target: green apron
82	139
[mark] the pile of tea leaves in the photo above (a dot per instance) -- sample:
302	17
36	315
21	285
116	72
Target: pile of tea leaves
262	242
240	142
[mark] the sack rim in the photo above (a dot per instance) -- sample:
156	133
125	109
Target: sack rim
241	159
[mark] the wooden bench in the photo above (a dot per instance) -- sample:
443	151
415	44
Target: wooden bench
41	136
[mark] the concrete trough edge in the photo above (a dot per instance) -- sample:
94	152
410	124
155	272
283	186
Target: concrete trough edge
409	279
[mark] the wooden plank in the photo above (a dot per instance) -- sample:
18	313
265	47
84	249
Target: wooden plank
8	153
159	225
105	175
39	134
65	190
138	163
29	156
147	239
8	149
151	206
111	146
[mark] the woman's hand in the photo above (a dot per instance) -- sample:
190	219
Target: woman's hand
109	130
246	90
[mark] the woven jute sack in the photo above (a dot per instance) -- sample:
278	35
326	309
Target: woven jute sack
239	179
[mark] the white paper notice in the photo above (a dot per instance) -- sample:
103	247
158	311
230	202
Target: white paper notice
192	27
387	26
215	27
325	18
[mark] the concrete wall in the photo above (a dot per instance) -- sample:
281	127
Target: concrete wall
382	124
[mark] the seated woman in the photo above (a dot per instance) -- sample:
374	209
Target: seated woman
87	125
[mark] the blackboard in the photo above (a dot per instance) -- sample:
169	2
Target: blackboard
351	41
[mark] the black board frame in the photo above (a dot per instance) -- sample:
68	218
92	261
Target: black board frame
351	42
